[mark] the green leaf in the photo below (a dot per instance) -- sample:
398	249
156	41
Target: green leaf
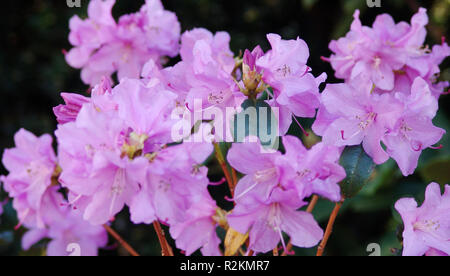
359	167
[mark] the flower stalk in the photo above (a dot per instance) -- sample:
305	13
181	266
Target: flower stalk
329	229
121	241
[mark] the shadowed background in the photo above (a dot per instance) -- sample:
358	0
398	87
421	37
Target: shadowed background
33	72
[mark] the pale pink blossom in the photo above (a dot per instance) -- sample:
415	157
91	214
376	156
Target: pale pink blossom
426	228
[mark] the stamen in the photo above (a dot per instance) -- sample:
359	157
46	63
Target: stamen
187	106
298	123
246	191
289	253
437	148
353	135
71	203
113	201
282	240
27	211
306	71
269	93
117	188
202	110
18	226
325	59
227	198
165	222
315	177
223	180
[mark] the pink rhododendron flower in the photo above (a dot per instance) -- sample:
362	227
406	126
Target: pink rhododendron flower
429	71
295	89
209	63
68	230
90	34
274	186
174	180
266	221
314	171
426	228
106	148
414	131
198	229
308	172
31	165
360	118
100	97
103	47
262	174
68	112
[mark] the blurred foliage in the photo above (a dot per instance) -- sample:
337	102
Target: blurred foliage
33	73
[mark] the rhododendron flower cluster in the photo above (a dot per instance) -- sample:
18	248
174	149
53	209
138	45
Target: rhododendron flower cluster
389	56
275	186
116	147
390	95
295	91
103	46
39	205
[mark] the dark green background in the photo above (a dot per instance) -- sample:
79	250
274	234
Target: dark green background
33	73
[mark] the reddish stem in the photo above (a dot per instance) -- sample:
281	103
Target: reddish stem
224	167
329	229
121	241
166	250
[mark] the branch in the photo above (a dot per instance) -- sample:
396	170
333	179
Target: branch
165	247
329	229
223	164
121	241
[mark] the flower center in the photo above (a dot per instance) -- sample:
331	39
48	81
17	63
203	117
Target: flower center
367	120
376	62
164	185
427	225
133	145
404	132
215	99
284	71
